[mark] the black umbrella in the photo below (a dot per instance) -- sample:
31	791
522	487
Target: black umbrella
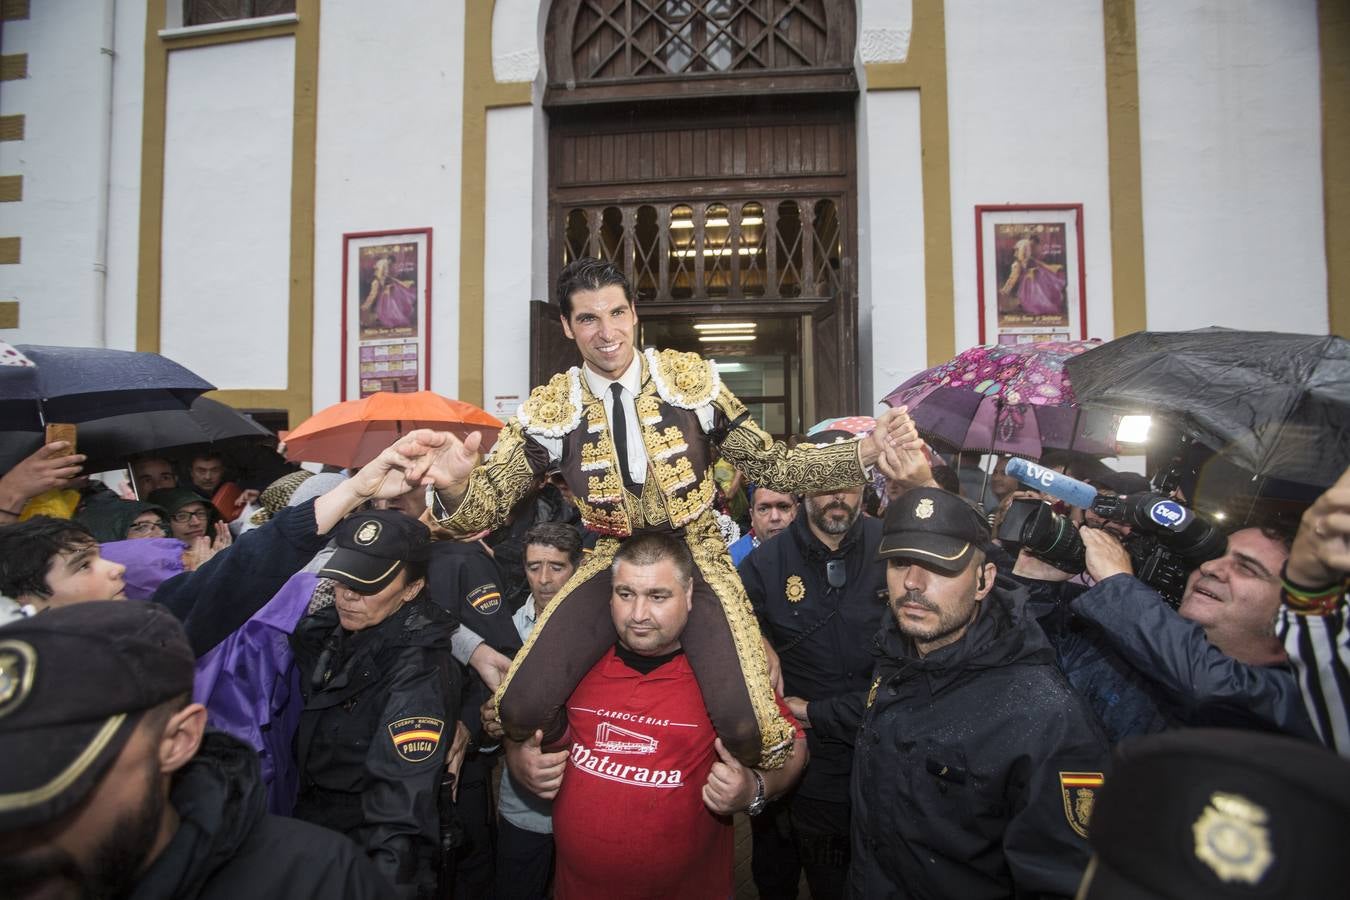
207	424
1272	403
76	384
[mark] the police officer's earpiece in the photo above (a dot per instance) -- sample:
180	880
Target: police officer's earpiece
981	584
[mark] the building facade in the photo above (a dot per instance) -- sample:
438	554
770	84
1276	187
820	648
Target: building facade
296	198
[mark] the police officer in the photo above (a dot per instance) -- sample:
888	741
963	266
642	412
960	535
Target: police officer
818	590
976	765
381	697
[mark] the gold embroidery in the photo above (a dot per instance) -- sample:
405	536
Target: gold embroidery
673	474
689	505
653	504
604	519
686	380
664	444
710	555
606	489
553	409
597	455
729	404
802	469
648	408
795	589
494	486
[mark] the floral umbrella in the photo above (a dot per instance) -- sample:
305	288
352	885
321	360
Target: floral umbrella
1013	399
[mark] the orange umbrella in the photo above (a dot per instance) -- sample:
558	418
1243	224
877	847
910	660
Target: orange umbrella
352	433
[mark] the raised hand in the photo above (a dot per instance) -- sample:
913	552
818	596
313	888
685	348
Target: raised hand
1321	552
47	468
1105	555
440	459
895	430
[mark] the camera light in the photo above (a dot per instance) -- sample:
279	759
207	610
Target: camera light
1133	429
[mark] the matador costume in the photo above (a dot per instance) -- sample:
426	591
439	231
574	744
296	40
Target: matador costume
683	413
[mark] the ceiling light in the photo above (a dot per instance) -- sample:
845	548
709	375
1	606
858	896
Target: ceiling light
723	326
724	338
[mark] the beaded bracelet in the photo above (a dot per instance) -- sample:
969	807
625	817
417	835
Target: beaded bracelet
1310	601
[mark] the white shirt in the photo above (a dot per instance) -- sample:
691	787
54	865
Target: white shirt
630	383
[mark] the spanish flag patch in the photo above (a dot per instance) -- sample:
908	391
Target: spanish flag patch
1080	793
416	738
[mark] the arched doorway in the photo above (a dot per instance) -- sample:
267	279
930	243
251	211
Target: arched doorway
707	147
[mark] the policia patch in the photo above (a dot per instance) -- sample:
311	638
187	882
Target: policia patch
1080	793
416	738
486	599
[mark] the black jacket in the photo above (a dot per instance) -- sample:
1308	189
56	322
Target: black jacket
228	847
957	770
231	586
380	708
823	637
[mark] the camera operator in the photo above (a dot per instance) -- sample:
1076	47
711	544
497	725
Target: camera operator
1214	661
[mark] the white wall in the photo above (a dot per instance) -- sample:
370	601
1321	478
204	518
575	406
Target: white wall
124	210
1027	116
891	237
506	259
516	50
226	244
389	136
59	159
884	29
1231	162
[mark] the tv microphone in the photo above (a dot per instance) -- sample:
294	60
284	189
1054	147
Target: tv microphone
1056	484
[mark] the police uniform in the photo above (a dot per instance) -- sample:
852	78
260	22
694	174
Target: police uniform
976	765
380	708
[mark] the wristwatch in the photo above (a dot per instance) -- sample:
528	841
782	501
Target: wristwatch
757	805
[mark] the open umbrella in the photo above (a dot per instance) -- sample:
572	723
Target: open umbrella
352	433
76	384
1272	403
206	425
1013	399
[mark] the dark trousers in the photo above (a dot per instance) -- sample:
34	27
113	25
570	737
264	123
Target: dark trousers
474	858
579	631
524	863
804	835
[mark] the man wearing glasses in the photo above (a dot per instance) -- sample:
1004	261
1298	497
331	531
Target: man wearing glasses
190	517
819	594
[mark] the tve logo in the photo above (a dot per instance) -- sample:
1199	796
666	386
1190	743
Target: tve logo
1167	513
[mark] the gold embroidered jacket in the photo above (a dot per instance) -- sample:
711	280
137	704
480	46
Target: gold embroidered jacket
562	422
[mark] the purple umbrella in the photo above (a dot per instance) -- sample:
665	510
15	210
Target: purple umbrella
1007	399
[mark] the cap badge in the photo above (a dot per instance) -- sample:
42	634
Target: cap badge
18	663
795	590
1232	839
1079	790
368	533
925	509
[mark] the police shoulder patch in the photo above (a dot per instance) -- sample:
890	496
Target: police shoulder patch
416	738
486	599
1080	793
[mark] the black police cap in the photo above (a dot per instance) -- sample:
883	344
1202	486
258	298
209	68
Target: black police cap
934	528
373	547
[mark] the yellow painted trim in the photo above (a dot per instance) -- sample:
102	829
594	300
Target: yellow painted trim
1129	304
10	10
9	313
11	128
481	93
925	70
13	66
11	188
10	249
296	397
1333	35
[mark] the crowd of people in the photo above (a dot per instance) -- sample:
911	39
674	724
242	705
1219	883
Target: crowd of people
562	671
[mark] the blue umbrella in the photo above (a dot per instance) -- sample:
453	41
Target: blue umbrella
79	384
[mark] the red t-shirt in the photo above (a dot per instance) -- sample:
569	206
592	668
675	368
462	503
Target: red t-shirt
629	820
